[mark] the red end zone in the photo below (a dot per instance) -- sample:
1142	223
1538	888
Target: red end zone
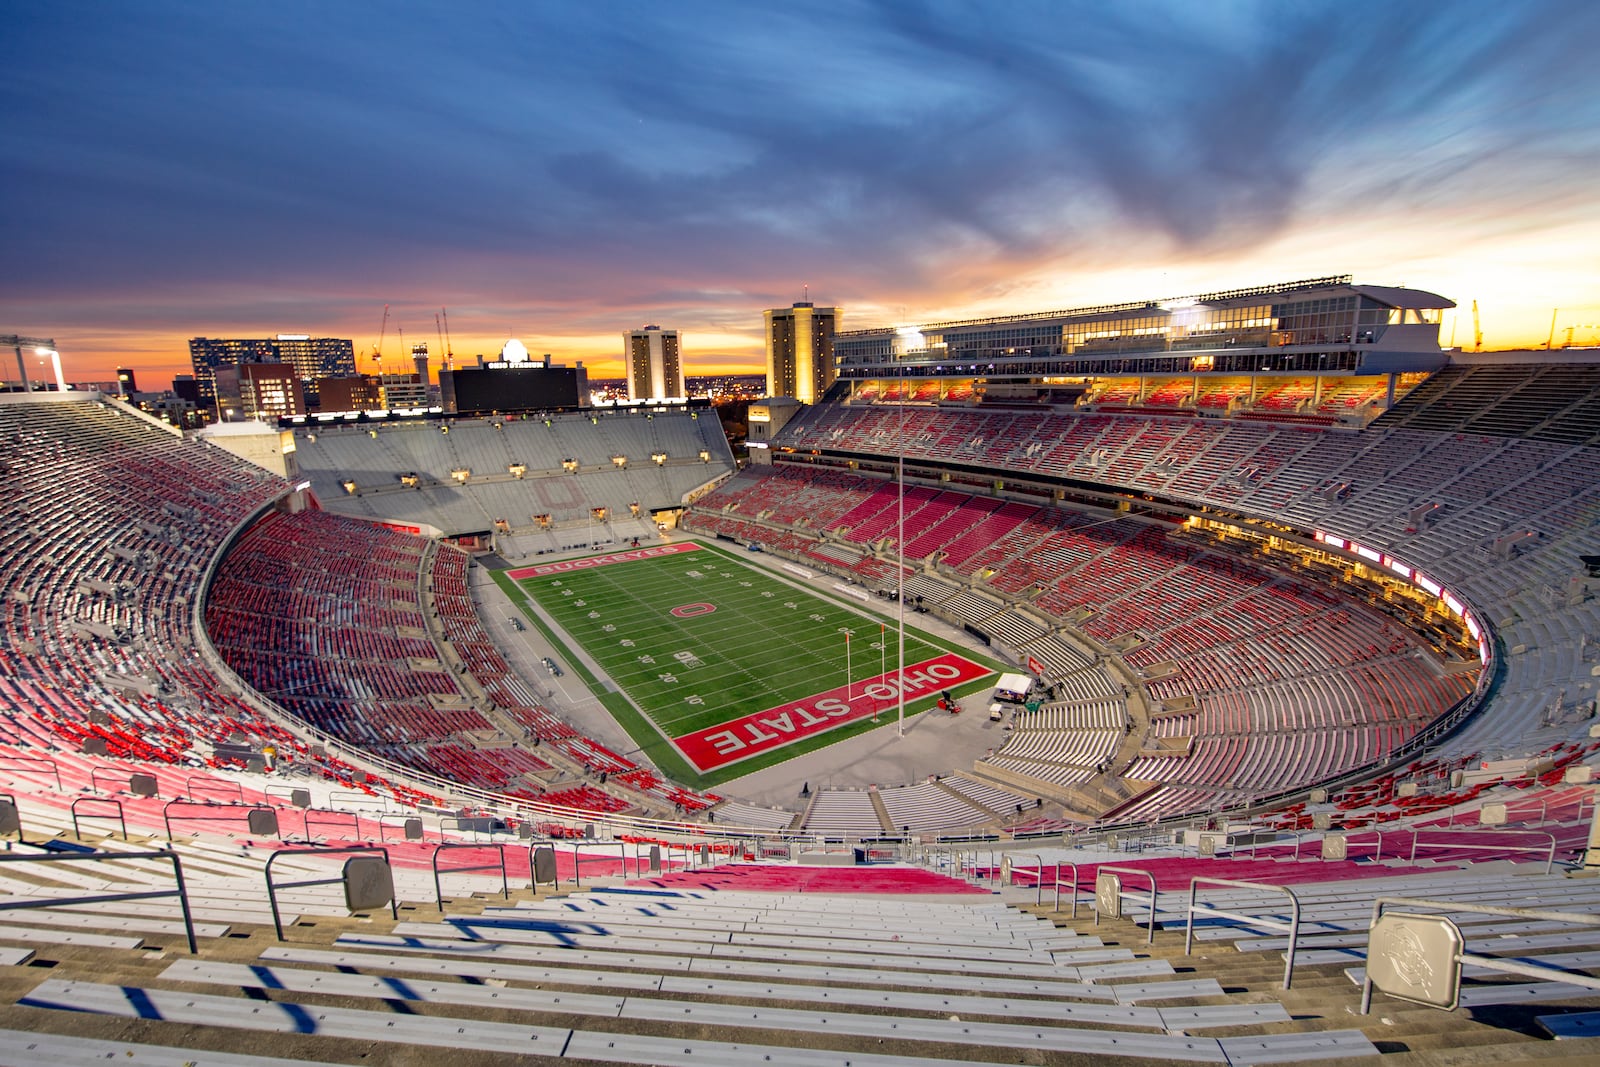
763	731
600	561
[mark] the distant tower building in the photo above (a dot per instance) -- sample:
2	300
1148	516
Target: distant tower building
210	354
126	385
311	358
270	390
800	351
655	366
184	387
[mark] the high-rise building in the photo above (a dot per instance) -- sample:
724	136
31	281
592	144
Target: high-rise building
185	387
654	364
800	351
270	391
126	385
358	393
311	358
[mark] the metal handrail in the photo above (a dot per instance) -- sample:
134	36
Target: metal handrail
368	800
1550	857
1038	876
1377	855
54	770
1074	866
1493	963
96	773
182	892
623	856
207	780
167	817
1151	938
438	891
383	826
1292	927
326	815
1255	842
268	791
273	887
97	800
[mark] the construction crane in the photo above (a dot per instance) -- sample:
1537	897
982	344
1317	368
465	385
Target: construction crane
1579	326
1477	329
439	332
449	354
383	330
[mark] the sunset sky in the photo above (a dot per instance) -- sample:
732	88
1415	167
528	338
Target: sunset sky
562	172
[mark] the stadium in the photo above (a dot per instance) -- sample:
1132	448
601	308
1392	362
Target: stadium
1300	601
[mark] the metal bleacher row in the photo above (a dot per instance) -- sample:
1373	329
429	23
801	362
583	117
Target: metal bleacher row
1284	676
570	466
295	588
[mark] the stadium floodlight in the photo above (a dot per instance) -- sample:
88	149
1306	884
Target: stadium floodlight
55	361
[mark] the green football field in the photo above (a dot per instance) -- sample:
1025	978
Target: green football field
725	667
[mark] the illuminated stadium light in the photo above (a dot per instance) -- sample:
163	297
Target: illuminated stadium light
517	470
349	485
461	474
660	458
619	461
570	466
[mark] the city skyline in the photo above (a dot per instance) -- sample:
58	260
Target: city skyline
176	170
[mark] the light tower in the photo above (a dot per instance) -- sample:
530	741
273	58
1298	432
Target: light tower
42	346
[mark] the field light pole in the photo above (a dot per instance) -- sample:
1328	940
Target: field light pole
883	661
900	553
847	666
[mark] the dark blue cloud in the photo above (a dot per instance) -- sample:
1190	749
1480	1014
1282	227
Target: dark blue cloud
587	153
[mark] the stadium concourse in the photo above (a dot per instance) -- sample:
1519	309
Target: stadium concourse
178	624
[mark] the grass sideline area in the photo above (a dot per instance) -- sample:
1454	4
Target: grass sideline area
741	667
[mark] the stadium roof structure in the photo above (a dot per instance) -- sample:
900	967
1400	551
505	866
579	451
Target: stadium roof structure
1317	326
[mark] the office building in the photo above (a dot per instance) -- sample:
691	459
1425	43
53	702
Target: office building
269	391
800	351
654	363
310	357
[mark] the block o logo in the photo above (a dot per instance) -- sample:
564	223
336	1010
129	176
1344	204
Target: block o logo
689	611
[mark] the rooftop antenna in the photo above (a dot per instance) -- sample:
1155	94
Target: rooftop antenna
805	293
